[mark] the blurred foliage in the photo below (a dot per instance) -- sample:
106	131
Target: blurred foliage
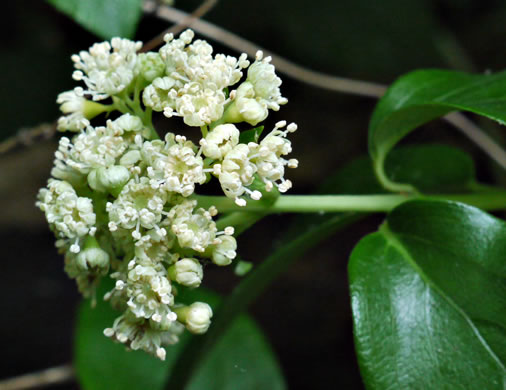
106	18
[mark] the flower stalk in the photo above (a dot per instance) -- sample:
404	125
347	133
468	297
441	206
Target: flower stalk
494	200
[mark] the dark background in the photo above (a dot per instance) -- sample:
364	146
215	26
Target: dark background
305	313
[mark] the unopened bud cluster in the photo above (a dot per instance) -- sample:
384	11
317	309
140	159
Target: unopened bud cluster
122	201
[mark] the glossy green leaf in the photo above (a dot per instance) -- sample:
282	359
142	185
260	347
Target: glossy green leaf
424	95
105	18
428	296
241	359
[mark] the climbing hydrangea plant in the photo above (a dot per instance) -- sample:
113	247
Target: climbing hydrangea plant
122	201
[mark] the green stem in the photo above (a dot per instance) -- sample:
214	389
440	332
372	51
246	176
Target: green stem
493	200
126	105
204	131
379	166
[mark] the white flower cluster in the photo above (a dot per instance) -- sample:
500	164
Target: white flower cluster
123	201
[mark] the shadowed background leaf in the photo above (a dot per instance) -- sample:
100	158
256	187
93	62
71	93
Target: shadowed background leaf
105	18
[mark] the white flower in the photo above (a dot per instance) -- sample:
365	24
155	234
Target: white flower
174	165
220	141
199	79
149	292
136	217
225	251
69	215
156	95
262	75
124	124
93	148
237	172
199	105
268	157
250	109
155	246
150	66
138	334
194	229
259	92
138	205
72	103
107	72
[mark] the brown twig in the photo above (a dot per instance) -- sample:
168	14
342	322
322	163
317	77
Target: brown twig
198	13
42	378
289	68
27	136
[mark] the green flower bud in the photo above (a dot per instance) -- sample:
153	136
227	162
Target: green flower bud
187	272
224	252
130	158
110	179
92	257
196	317
150	66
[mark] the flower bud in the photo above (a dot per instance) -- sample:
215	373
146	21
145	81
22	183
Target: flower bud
224	252
187	272
251	109
130	158
246	107
126	123
196	317
220	141
150	65
110	179
92	256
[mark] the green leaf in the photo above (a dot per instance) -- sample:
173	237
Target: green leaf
105	18
428	296
241	359
424	95
252	135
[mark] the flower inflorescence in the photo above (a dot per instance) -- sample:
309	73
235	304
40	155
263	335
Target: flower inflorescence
122	201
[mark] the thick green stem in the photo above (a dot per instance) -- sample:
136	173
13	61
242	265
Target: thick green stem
494	200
